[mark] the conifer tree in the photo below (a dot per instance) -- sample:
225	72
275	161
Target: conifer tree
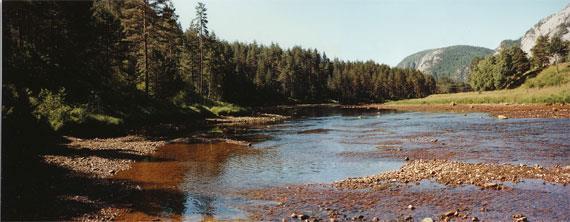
540	54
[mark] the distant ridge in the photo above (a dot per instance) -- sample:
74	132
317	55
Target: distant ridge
452	61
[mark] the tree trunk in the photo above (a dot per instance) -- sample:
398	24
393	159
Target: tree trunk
146	80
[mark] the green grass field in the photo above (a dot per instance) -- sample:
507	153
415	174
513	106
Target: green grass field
547	87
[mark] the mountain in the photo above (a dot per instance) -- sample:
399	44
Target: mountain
507	44
452	61
557	23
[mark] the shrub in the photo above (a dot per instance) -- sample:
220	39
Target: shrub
52	107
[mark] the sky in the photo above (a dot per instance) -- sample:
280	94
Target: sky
385	31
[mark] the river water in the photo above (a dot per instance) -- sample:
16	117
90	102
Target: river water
322	147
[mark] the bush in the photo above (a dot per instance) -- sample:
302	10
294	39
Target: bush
52	107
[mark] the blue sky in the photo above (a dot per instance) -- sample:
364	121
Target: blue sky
385	31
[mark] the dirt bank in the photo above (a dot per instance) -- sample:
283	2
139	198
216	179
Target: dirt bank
507	110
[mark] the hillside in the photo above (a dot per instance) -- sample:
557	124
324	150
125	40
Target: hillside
547	87
558	23
452	61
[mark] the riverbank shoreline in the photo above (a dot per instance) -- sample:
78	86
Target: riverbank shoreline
99	161
506	110
110	160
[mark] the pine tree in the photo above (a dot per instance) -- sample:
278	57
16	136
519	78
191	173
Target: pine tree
521	64
200	25
540	54
137	17
557	49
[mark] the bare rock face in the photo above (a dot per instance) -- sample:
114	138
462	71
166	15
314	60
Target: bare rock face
558	23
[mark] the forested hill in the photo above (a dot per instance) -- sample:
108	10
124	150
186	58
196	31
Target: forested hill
118	59
448	62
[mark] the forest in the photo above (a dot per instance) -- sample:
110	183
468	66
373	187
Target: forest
77	62
511	66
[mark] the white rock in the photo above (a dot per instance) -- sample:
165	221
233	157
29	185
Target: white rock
548	26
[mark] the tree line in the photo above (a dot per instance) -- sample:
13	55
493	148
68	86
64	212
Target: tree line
133	58
511	66
106	67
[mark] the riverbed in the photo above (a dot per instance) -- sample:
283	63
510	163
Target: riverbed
305	154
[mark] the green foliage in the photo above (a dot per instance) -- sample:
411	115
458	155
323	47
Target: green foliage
540	52
558	49
52	107
499	71
128	63
482	76
508	43
447	85
453	63
521	95
546	87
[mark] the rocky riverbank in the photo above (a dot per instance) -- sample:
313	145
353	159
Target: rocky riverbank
426	190
102	158
263	118
453	173
499	110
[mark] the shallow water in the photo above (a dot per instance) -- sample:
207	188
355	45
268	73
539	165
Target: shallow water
322	148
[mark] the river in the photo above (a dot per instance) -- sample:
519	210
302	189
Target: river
320	147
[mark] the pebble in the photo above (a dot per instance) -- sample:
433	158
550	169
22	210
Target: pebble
406	158
450	213
519	218
293	215
474	219
427	219
411	207
375	219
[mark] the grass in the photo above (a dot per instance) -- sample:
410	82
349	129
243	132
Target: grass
547	87
549	77
228	109
106	119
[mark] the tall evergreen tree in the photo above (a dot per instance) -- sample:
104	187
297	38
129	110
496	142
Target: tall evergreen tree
137	17
200	25
557	49
540	54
